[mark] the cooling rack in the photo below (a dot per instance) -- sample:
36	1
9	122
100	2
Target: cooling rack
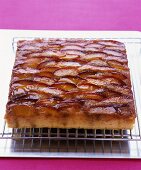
45	142
80	143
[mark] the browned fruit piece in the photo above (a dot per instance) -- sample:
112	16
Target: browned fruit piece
69	57
30	47
117	65
80	44
110	43
72	47
45	64
45	73
51	53
95	68
94	45
50	69
68	64
37	55
92	56
117	76
22	76
23	82
122	90
87	95
117	48
98	62
49	90
112	52
66	80
35	96
32	62
65	72
69	95
86	86
25	71
73	52
111	80
41	80
115	58
91	49
70	79
64	86
28	63
45	80
102	83
69	106
46	102
116	101
87	73
74	79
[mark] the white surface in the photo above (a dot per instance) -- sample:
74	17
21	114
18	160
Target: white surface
7	58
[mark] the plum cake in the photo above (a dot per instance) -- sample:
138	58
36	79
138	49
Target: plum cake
70	83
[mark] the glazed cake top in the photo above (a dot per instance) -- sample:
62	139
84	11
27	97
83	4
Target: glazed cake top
88	75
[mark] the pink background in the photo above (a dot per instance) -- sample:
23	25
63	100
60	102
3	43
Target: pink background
70	15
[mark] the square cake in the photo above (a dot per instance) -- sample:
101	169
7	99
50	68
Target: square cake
70	83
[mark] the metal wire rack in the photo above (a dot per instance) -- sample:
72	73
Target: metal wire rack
72	142
81	143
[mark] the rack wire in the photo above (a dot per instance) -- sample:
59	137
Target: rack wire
82	143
